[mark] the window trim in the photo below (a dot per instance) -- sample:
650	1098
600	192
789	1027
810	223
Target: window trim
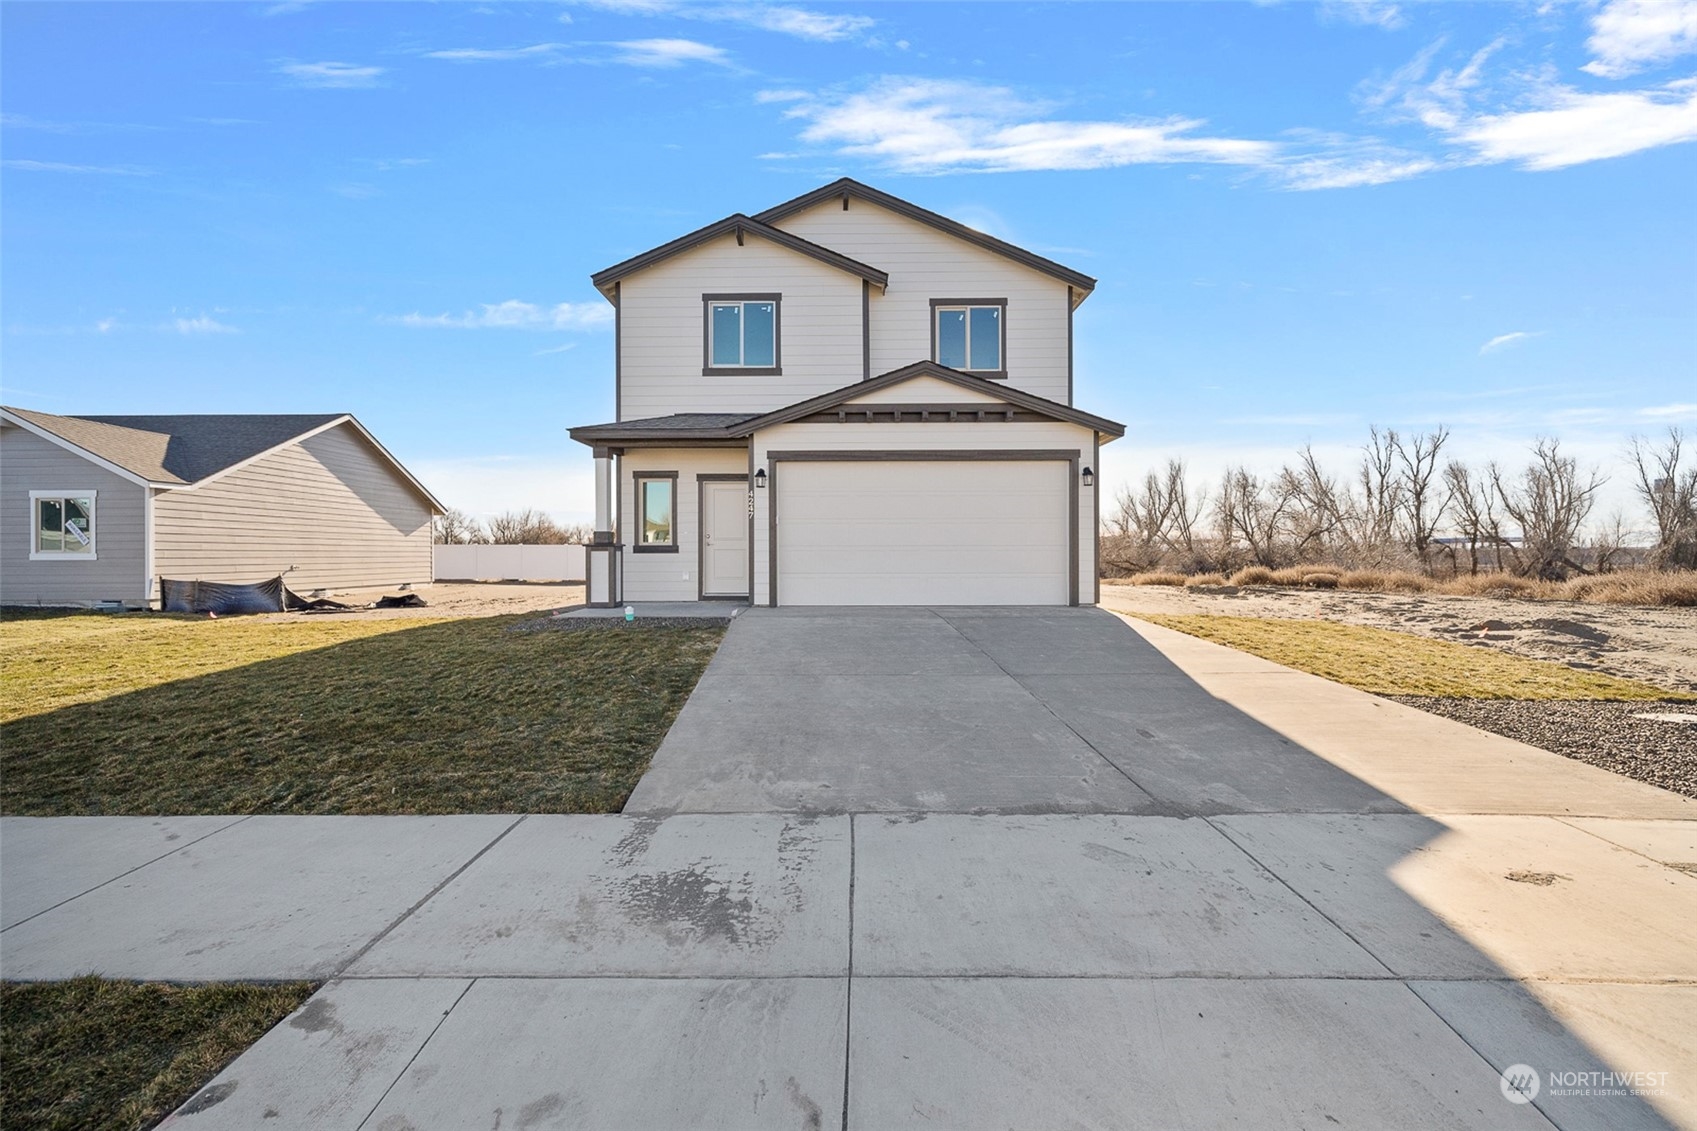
989	374
637	545
776	369
36	554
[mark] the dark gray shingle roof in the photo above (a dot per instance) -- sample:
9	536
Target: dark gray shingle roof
177	449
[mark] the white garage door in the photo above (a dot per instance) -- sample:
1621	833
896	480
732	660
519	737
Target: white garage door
984	532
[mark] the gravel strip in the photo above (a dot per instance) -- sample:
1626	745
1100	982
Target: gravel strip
1600	732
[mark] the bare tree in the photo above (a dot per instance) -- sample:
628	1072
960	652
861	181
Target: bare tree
1421	493
1549	501
1318	513
1381	493
457	528
1670	493
577	533
525	527
1251	511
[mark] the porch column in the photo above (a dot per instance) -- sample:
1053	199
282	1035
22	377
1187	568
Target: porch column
601	556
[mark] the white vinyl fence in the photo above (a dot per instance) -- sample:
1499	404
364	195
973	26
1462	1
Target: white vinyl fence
509	563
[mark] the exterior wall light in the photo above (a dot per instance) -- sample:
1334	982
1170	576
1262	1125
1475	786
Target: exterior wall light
760	479
1089	477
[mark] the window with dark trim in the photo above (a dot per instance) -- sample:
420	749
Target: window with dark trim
656	512
970	334
741	335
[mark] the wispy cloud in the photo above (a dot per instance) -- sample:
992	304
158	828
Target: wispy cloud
1670	412
516	315
1629	35
26	165
535	51
669	53
918	125
1572	127
331	76
1512	338
803	23
197	326
1367	13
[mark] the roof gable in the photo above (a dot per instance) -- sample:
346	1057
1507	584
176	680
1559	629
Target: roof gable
740	226
184	451
848	188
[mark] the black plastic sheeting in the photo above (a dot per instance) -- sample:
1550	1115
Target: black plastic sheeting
225	599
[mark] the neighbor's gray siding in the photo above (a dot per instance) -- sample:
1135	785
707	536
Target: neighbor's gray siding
330	505
29	463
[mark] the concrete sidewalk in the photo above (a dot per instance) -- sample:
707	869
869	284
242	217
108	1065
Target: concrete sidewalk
1273	968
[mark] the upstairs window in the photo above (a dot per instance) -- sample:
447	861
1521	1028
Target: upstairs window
64	525
970	334
741	334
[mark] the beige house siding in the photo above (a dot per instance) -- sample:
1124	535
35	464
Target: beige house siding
662	322
330	506
669	576
117	572
916	436
923	264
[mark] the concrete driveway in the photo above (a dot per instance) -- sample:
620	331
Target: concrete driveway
1198	890
971	710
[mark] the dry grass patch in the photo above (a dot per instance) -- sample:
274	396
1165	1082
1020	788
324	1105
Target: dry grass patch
1676	590
109	715
122	1055
1396	663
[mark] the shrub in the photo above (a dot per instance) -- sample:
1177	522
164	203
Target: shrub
1205	580
1253	575
1157	578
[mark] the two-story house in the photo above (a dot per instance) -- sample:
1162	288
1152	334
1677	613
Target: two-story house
845	400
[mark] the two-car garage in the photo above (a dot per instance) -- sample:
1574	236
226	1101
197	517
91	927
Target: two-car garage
924	528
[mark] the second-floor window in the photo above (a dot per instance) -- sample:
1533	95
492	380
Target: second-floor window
970	334
741	334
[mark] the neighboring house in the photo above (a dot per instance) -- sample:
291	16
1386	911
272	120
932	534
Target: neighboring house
845	400
98	508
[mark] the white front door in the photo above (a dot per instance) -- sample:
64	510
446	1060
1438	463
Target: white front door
724	538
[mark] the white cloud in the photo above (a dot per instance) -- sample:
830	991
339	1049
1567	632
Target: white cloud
824	27
1629	35
669	53
192	326
331	76
28	166
488	54
1573	127
516	315
1367	13
1670	412
1508	339
765	96
917	125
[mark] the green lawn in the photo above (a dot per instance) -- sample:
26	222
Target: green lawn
89	1053
1397	663
163	715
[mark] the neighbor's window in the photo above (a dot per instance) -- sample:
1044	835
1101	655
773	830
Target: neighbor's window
656	507
64	524
742	332
969	336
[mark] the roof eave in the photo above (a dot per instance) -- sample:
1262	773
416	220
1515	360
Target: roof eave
736	224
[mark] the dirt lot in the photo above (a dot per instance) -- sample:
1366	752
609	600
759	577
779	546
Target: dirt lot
1658	645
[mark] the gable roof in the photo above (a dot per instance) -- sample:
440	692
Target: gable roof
737	224
849	187
737	426
187	450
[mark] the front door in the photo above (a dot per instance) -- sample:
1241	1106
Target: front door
724	537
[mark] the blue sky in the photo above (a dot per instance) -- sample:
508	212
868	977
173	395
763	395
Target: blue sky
1306	218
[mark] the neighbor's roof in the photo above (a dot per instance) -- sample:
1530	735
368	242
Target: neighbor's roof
738	225
737	426
184	450
847	187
